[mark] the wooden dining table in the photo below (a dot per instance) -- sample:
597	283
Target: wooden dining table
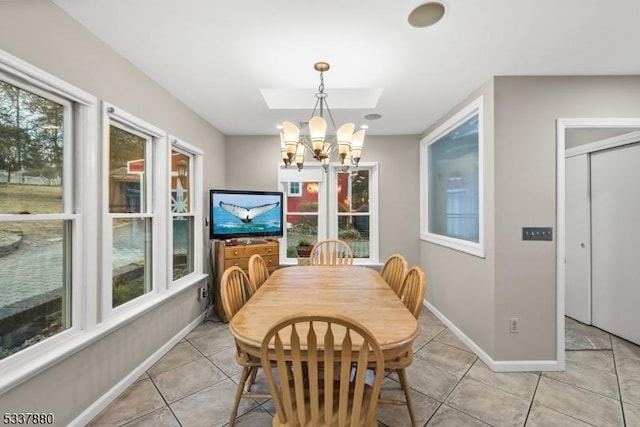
354	291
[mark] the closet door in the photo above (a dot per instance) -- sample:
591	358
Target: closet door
615	216
578	240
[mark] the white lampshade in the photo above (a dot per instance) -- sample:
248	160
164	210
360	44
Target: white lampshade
291	135
283	147
344	135
317	131
357	141
299	158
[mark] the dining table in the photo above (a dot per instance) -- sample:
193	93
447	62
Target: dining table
357	292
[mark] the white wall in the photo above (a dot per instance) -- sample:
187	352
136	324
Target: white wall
38	32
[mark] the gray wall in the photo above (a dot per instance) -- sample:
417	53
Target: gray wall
460	285
252	164
38	32
526	109
517	279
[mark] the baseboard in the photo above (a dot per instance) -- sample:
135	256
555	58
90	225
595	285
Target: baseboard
494	365
94	409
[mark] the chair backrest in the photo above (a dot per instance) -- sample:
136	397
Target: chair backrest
393	271
235	290
322	392
413	289
258	271
331	252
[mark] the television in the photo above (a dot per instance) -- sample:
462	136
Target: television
239	213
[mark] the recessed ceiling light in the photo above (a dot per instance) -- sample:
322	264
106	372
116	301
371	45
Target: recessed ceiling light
427	14
373	116
364	126
278	126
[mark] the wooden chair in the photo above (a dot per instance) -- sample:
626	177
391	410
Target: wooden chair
393	272
316	387
235	291
412	295
331	252
413	290
258	271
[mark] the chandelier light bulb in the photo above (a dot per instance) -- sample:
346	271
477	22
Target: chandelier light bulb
357	141
317	131
344	135
291	135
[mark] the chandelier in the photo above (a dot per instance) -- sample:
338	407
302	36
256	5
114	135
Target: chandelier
294	145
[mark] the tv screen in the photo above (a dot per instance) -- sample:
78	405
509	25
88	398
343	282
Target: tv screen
237	213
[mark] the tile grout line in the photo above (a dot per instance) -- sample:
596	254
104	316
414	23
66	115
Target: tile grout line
615	368
533	397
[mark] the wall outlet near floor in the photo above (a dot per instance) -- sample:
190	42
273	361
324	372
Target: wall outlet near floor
514	325
204	293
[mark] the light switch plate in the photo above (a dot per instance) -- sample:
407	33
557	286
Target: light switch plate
537	233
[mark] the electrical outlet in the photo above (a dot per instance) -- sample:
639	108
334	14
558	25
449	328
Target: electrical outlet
514	326
204	293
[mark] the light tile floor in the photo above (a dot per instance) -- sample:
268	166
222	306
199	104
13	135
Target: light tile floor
194	385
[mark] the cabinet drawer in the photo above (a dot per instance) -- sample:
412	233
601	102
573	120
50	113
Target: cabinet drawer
242	251
271	260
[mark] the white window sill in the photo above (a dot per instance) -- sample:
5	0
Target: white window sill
20	367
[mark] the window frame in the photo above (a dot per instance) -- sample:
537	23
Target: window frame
374	232
475	107
156	155
196	209
310	173
79	154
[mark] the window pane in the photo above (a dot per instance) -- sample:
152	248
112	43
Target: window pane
180	173
300	227
453	183
31	145
305	200
34	283
182	246
354	230
126	172
131	259
353	191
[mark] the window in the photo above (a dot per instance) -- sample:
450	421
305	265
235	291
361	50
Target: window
354	210
331	205
185	209
40	228
451	184
133	157
295	189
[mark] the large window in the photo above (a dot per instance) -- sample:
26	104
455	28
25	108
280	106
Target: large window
185	209
335	204
451	185
40	227
93	230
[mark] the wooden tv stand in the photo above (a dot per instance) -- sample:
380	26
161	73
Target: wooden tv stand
225	256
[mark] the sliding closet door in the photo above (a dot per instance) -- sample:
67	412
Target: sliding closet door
615	216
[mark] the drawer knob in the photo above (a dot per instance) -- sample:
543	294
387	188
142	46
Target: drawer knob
270	261
235	252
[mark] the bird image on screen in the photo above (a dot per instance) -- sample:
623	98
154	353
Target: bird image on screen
247	214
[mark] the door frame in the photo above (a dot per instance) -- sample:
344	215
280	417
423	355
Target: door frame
562	125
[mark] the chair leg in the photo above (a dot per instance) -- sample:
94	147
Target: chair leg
236	403
404	382
252	378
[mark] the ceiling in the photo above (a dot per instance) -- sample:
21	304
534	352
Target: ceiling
218	57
